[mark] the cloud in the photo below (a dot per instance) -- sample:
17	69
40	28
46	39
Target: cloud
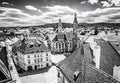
6	3
11	15
83	2
110	3
106	4
93	1
101	15
58	11
8	19
17	17
59	8
115	2
31	7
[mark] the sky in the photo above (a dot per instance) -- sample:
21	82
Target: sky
39	12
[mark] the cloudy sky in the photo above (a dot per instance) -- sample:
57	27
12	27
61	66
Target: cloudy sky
38	12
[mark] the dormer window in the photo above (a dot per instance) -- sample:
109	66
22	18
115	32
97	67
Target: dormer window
31	46
58	74
39	45
37	51
76	75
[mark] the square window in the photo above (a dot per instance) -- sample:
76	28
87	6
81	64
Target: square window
41	60
47	59
28	61
35	60
47	54
28	56
41	65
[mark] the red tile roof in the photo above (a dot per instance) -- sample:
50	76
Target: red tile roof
80	61
109	57
28	47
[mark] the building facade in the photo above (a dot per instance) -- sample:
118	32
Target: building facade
33	55
65	42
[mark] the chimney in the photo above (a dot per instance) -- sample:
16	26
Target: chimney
116	72
97	50
96	53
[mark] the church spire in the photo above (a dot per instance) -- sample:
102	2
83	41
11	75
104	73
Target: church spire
60	26
75	25
75	19
59	20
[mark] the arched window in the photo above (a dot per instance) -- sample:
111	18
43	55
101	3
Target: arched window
70	44
59	44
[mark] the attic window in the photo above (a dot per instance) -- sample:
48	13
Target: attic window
76	75
31	46
39	45
37	51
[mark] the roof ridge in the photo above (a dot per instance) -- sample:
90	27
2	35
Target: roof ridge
113	48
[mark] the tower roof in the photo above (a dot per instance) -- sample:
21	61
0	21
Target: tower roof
60	20
75	18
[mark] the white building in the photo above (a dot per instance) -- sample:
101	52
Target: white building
33	54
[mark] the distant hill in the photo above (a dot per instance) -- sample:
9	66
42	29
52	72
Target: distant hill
55	25
68	25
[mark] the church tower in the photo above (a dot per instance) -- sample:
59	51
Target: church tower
59	26
75	25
